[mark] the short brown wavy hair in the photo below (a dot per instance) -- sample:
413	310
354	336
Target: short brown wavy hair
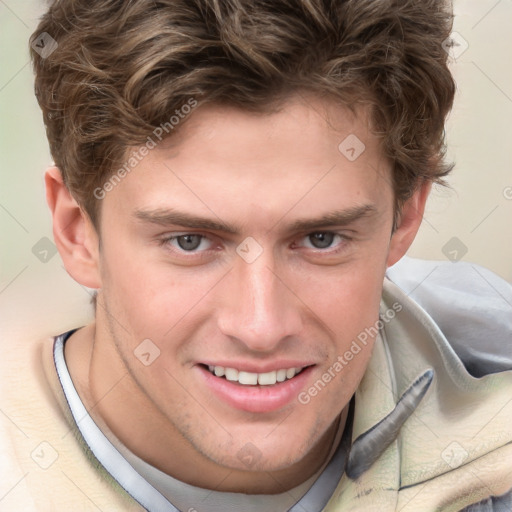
122	68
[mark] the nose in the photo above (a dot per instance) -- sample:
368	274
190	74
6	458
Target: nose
258	309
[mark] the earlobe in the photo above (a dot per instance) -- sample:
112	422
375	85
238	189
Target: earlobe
408	223
73	232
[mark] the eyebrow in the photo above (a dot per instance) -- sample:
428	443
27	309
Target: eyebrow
336	218
165	217
168	217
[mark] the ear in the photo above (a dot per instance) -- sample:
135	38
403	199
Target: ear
73	232
409	222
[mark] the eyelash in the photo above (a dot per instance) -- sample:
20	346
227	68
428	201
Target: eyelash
339	247
165	242
329	250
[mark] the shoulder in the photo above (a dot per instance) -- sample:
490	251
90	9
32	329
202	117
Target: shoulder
471	305
43	466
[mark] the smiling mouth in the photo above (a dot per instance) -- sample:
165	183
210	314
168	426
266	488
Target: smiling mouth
254	379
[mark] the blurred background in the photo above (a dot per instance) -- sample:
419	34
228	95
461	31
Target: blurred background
471	221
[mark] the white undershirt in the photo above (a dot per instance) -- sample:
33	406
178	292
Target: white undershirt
185	496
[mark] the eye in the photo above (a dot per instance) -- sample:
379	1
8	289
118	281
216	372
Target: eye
322	240
188	242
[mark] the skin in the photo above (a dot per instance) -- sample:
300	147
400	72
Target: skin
260	174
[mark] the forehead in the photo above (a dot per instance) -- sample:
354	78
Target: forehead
309	154
312	126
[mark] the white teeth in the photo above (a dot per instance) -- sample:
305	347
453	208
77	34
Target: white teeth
267	379
252	379
231	374
248	378
281	375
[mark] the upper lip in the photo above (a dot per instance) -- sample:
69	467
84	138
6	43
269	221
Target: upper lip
252	367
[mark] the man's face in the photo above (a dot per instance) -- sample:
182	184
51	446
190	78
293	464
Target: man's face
250	242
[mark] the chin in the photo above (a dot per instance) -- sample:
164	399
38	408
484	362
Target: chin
260	454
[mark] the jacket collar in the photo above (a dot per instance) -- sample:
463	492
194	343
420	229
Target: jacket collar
413	425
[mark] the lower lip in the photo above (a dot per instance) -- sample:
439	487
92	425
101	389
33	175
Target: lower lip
256	398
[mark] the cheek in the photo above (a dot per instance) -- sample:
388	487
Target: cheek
149	301
153	301
347	300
